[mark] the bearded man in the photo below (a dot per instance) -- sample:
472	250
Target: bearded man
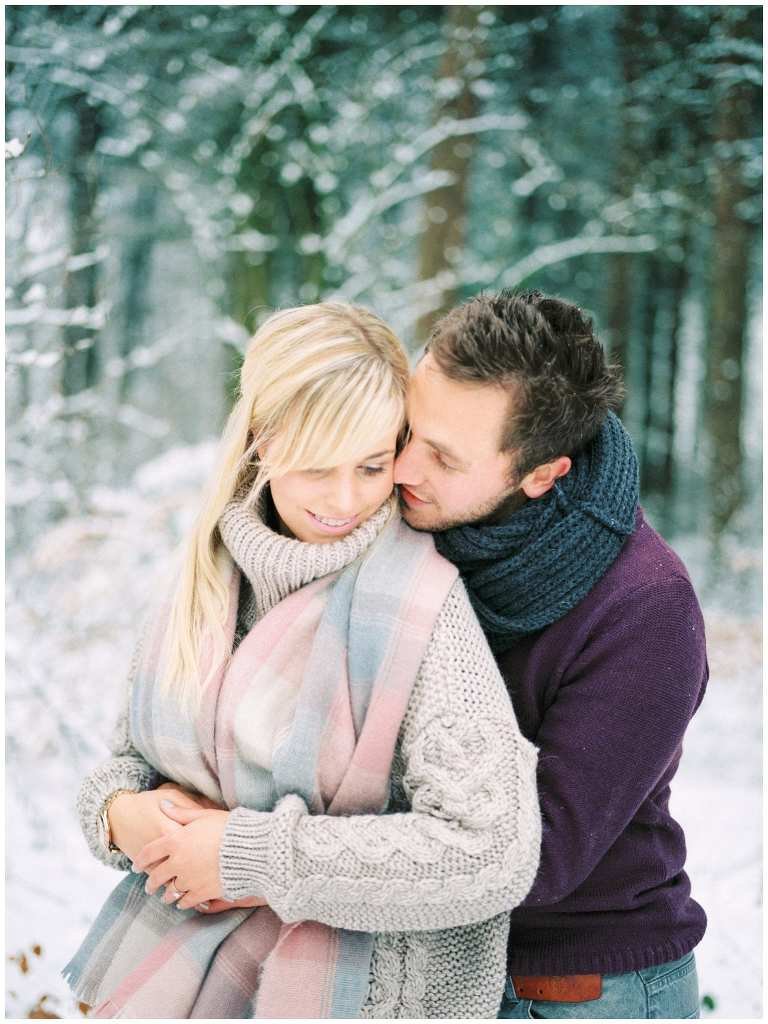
518	464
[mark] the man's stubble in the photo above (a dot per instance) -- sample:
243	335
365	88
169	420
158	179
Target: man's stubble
490	513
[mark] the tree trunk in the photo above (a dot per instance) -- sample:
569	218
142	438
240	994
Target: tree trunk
80	363
619	316
631	44
136	265
679	279
649	452
445	209
728	305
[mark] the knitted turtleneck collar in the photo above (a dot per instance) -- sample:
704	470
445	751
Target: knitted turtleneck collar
529	571
276	565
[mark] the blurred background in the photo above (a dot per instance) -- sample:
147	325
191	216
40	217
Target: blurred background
176	173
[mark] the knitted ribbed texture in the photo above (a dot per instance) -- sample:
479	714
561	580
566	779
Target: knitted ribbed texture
608	692
530	570
435	878
127	769
277	565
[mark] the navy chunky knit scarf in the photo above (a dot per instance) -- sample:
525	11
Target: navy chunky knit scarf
530	570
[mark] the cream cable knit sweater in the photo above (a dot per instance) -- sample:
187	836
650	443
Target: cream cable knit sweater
436	875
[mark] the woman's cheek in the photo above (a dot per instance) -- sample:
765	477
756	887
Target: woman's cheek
386	483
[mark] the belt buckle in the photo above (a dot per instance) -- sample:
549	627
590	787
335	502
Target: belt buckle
559	988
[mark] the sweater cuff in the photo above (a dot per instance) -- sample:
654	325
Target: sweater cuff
118	773
244	853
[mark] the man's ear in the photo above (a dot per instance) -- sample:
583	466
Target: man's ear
540	480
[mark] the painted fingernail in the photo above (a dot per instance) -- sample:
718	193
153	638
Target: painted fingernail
167	803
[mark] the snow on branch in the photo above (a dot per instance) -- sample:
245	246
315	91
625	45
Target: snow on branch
87	259
141	357
14	148
541	170
406	155
547	255
370	205
91	318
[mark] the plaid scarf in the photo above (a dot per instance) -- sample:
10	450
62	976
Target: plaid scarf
350	644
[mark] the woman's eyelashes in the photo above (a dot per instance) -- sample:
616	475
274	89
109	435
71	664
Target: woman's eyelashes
365	470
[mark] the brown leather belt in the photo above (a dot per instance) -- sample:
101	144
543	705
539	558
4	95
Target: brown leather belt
559	988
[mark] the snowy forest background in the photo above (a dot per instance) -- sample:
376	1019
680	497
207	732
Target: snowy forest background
174	173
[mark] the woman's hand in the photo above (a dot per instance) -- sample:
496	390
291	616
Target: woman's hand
186	858
135	819
217	906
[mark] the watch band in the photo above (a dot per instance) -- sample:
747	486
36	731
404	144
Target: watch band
106	832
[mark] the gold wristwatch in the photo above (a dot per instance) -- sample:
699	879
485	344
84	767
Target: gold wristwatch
105	833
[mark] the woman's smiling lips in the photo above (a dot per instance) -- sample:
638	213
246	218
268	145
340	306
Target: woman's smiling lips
328	524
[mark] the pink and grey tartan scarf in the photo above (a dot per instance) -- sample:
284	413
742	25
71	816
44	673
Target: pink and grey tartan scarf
352	642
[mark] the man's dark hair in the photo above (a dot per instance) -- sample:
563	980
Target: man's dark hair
544	350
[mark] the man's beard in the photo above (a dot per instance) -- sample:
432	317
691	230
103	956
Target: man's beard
490	513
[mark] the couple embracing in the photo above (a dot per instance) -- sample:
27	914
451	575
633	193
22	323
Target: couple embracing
405	751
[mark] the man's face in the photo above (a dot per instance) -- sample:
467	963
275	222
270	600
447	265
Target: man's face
451	471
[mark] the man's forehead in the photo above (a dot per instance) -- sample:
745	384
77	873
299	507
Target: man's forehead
453	416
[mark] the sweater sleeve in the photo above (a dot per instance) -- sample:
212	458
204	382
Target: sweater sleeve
466	849
126	769
615	730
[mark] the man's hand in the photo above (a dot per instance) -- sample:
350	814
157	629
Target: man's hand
186	858
135	819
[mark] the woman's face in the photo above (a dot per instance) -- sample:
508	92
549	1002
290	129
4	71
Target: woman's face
322	505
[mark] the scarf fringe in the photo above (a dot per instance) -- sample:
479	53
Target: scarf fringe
84	992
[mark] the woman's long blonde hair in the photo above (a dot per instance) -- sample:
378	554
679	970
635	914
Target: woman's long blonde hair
316	383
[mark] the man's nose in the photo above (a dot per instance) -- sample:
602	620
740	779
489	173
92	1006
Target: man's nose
406	469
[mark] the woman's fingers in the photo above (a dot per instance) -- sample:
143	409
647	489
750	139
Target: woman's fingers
152	852
216	906
182	815
170	895
213	906
192	899
161	875
147	869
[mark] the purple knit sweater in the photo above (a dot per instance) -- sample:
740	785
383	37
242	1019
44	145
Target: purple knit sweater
606	693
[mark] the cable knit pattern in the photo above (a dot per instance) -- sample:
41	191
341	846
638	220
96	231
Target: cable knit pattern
436	876
466	849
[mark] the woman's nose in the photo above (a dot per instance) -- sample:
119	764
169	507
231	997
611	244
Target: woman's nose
345	498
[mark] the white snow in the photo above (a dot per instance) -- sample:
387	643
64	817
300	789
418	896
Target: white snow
13	149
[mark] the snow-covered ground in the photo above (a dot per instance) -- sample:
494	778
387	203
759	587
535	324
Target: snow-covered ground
73	602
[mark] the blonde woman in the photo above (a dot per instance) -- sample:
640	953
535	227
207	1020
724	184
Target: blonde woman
318	781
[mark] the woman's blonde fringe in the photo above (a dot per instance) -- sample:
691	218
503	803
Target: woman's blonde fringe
318	381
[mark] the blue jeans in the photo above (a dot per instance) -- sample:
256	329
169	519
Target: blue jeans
670	990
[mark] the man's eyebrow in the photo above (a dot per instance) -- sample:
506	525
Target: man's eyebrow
450	455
